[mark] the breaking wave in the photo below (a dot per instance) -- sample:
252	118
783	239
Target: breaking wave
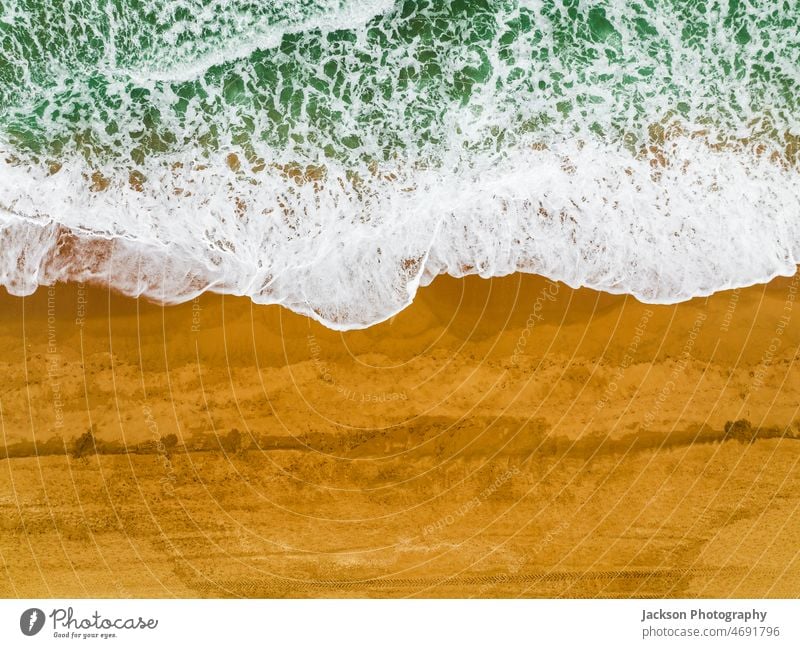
333	156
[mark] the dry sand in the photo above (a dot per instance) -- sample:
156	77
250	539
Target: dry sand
507	437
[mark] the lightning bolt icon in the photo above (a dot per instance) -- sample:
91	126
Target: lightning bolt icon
32	620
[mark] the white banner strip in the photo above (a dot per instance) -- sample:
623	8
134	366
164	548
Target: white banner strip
399	623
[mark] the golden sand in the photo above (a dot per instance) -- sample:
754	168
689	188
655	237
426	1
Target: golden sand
506	437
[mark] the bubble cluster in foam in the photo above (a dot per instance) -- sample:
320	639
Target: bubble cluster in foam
631	147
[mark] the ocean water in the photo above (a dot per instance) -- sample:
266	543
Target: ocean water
334	155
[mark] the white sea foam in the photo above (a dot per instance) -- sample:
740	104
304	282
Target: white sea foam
352	253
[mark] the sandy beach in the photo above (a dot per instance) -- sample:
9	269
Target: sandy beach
504	437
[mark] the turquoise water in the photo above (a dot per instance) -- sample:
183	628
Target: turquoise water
136	78
271	148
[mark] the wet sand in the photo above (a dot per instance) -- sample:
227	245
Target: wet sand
506	437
